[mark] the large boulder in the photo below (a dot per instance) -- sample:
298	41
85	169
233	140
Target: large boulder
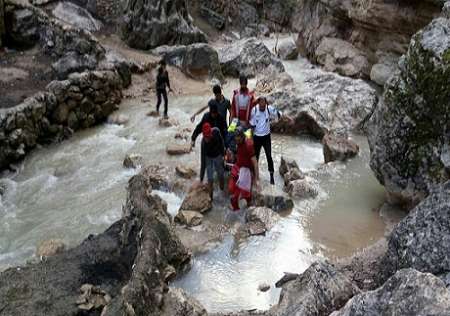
259	220
337	147
303	188
287	50
422	239
77	16
342	57
408	292
247	57
198	199
197	60
325	102
361	31
23	27
128	262
320	290
152	23
410	125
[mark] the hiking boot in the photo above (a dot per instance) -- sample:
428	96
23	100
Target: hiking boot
272	180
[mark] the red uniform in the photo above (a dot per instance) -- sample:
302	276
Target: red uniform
245	152
242	104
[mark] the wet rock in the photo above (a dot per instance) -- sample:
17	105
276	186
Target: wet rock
189	218
408	292
410	124
338	148
198	61
133	161
127	261
92	298
74	15
185	172
118	119
168	122
247	57
287	50
264	30
422	239
320	290
158	176
264	287
178	149
178	303
303	188
287	165
342	57
292	175
259	220
153	113
287	277
278	203
149	24
197	199
50	248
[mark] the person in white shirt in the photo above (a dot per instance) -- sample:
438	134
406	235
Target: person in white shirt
260	118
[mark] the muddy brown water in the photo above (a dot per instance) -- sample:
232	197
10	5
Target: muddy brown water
77	187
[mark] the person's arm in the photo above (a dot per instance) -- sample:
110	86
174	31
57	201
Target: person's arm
198	112
202	162
252	119
222	144
168	81
233	108
197	131
256	169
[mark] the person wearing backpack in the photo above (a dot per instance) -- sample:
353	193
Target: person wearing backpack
242	103
261	116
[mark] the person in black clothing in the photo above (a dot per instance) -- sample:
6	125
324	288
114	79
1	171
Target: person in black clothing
162	81
214	119
212	155
223	104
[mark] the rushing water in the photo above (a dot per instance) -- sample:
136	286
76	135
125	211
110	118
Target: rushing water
77	187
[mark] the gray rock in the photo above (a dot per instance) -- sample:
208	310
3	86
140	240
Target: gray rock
338	148
287	50
125	261
303	188
50	247
148	24
197	199
247	57
199	61
410	125
189	218
342	57
408	292
73	62
259	220
331	103
422	239
385	26
277	203
133	161
178	303
74	15
213	18
320	290
24	27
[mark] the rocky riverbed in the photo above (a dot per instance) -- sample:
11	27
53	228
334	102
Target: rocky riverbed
169	250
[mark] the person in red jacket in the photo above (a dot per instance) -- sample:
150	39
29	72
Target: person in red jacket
242	103
245	172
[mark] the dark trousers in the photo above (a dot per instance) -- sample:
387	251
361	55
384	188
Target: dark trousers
266	143
162	93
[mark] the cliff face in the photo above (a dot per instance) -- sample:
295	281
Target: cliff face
151	23
358	37
411	131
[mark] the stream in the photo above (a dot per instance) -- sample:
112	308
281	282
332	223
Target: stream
76	188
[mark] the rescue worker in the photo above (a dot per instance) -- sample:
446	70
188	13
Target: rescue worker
242	103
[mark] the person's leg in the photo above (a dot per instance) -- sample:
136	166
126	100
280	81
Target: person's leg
166	101
210	175
268	150
257	143
218	165
158	96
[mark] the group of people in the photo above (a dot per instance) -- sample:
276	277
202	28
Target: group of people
234	133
